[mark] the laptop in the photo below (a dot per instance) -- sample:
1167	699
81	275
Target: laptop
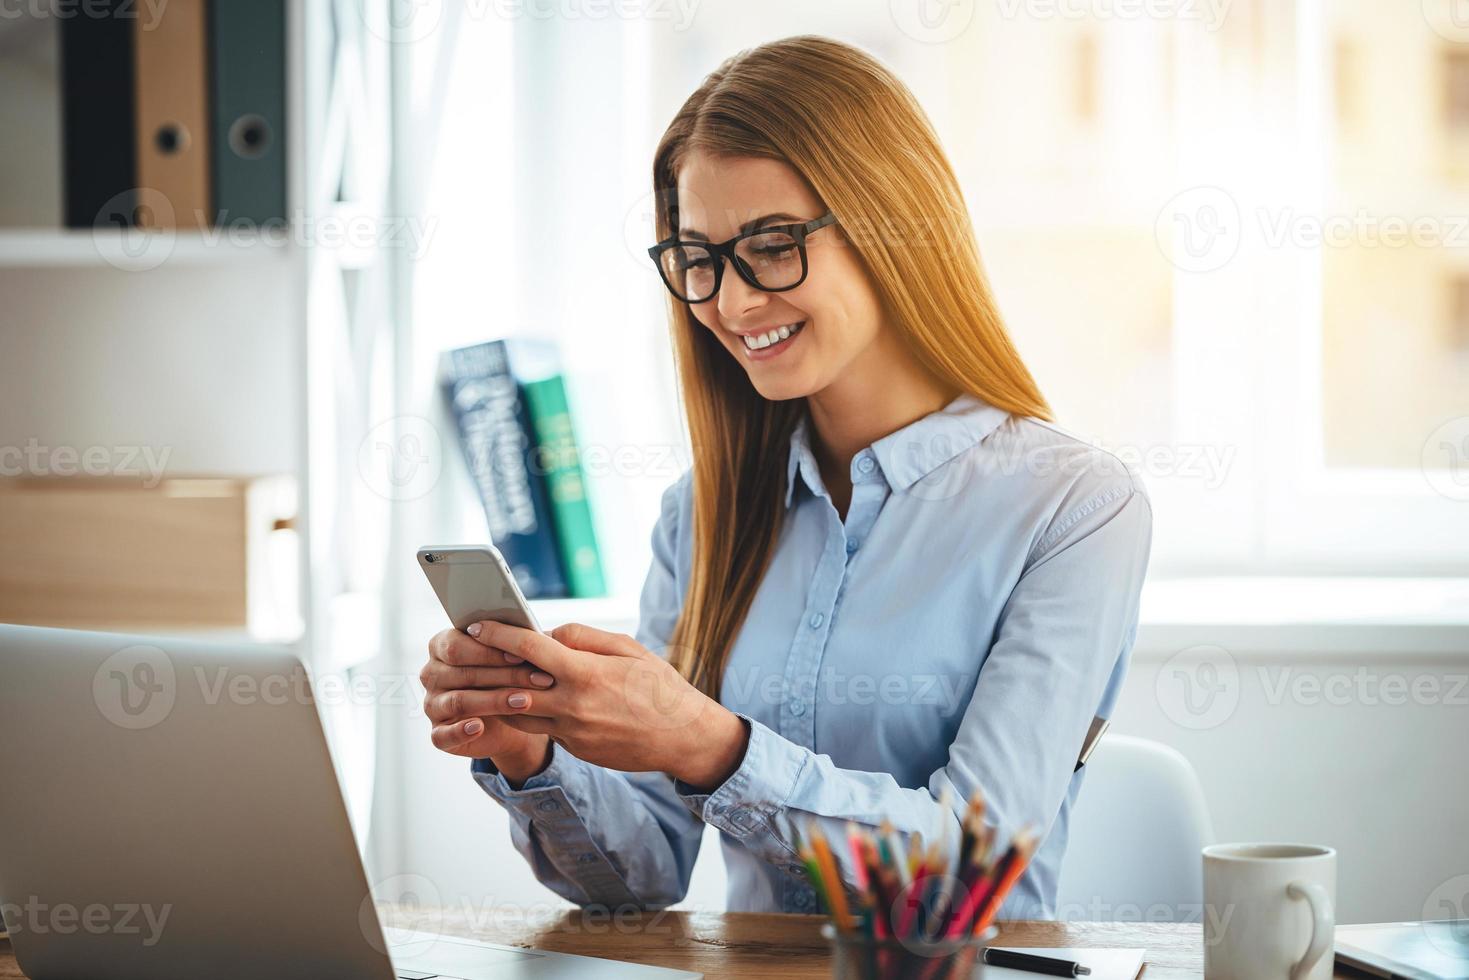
168	809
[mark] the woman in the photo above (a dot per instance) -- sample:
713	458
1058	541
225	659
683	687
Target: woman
886	582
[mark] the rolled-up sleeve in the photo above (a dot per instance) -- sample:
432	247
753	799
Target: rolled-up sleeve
600	837
1055	662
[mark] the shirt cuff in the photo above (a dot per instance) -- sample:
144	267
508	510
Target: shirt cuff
548	805
756	791
488	775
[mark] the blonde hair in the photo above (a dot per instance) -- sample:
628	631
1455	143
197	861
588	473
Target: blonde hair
856	134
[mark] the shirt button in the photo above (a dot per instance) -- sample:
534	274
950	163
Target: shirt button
585	858
851	545
865	464
548	806
803	900
798	708
816	620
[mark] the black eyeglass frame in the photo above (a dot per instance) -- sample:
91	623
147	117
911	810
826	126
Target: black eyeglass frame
726	250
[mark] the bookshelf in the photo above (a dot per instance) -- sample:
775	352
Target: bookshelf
243	355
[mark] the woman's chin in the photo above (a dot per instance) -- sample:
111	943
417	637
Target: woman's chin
781	389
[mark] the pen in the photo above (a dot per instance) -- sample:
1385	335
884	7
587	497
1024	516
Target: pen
1031	963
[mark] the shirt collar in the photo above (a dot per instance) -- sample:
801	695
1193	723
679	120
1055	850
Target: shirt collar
912	452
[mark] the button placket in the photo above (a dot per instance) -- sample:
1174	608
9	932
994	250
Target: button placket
797	720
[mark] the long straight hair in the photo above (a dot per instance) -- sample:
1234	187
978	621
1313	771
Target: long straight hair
856	134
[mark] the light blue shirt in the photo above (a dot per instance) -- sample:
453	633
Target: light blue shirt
958	630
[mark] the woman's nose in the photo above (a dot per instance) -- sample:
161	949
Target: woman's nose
737	297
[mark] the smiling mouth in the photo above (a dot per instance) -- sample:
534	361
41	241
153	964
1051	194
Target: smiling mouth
754	342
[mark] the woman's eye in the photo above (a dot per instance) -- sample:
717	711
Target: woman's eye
774	251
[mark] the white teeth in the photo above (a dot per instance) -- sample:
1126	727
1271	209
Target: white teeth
763	340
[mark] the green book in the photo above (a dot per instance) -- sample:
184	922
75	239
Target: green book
557	458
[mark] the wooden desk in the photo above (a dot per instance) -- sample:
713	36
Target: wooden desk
725	946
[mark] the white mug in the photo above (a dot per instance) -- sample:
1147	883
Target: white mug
1269	912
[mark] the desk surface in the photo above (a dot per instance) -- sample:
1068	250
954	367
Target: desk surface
725	946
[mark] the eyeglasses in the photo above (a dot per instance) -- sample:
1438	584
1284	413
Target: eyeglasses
772	258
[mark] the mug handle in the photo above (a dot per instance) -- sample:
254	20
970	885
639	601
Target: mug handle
1322	916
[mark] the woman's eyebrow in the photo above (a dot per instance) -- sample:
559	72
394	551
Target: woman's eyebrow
750	225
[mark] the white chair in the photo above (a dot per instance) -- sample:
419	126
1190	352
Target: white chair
1135	836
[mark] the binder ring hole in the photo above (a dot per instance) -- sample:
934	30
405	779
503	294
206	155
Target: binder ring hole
250	137
171	138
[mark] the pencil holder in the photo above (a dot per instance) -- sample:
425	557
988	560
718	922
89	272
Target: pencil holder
856	956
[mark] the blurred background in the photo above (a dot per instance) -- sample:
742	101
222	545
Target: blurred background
1230	237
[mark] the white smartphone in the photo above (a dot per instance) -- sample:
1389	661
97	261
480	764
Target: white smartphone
474	584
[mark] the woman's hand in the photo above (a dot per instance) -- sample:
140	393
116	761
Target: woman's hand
464	680
612	703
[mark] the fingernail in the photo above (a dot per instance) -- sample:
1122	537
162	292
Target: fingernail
474	726
473	630
519	700
542	680
511	658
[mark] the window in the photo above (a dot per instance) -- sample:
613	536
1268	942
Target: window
1224	237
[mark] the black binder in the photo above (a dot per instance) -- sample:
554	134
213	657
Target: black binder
98	141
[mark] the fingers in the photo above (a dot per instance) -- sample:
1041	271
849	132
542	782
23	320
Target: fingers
458	650
437	676
447	738
579	636
449	706
532	725
538	648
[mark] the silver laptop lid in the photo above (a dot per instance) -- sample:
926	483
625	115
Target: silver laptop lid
168	809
